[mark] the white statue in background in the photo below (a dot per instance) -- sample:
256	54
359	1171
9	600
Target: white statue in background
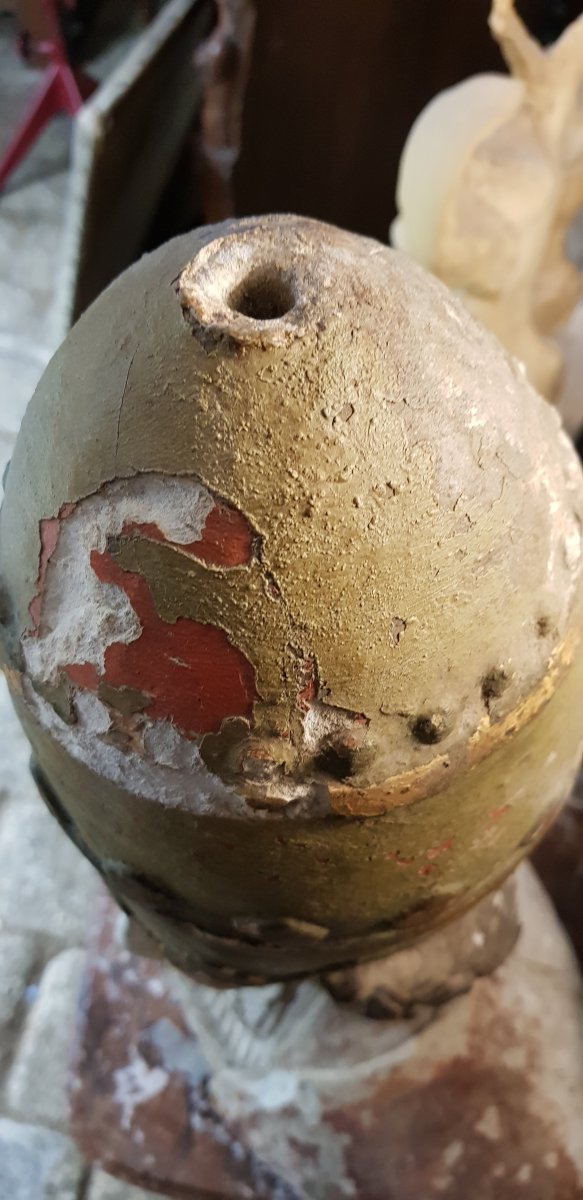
490	179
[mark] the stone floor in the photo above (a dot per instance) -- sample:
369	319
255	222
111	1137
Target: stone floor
46	888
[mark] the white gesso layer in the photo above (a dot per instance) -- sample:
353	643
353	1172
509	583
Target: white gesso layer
170	771
81	616
167	768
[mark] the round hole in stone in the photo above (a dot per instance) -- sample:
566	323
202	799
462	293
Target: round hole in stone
334	761
266	294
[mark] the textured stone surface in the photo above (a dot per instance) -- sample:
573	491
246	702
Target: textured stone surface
45	884
104	1187
37	1164
303	1098
37	1084
138	1100
18	955
15	781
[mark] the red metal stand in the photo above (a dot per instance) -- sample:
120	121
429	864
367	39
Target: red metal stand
63	90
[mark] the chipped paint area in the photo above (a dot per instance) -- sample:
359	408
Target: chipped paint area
226	541
140	691
189	672
49	537
80	615
162	765
325	723
134	689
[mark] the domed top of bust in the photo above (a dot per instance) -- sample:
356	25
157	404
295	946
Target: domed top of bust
279	501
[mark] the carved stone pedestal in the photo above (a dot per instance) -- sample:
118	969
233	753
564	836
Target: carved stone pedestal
282	1092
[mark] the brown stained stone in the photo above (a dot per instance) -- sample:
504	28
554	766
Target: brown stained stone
481	1101
445	1140
473	1127
171	1141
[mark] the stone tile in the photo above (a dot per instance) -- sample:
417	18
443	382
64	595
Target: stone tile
15	779
18	956
46	886
36	1089
37	1164
105	1187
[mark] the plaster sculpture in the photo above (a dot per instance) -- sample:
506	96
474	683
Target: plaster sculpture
291	613
490	180
291	569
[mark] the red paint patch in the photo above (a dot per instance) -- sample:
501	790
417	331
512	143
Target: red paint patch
85	675
496	813
435	851
309	689
49	536
227	537
193	673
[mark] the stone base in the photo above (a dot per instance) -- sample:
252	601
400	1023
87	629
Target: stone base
282	1093
142	1121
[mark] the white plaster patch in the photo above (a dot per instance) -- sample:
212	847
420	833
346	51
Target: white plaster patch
489	1124
155	988
572	544
165	745
515	1057
453	1153
279	1089
323	721
184	782
302	1148
162	764
92	713
81	616
135	1084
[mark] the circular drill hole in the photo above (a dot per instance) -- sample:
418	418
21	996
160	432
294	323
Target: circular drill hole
265	295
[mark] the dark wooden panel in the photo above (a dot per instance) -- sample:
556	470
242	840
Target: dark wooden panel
127	142
333	89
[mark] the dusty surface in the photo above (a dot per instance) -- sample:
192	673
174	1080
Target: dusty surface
246	590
